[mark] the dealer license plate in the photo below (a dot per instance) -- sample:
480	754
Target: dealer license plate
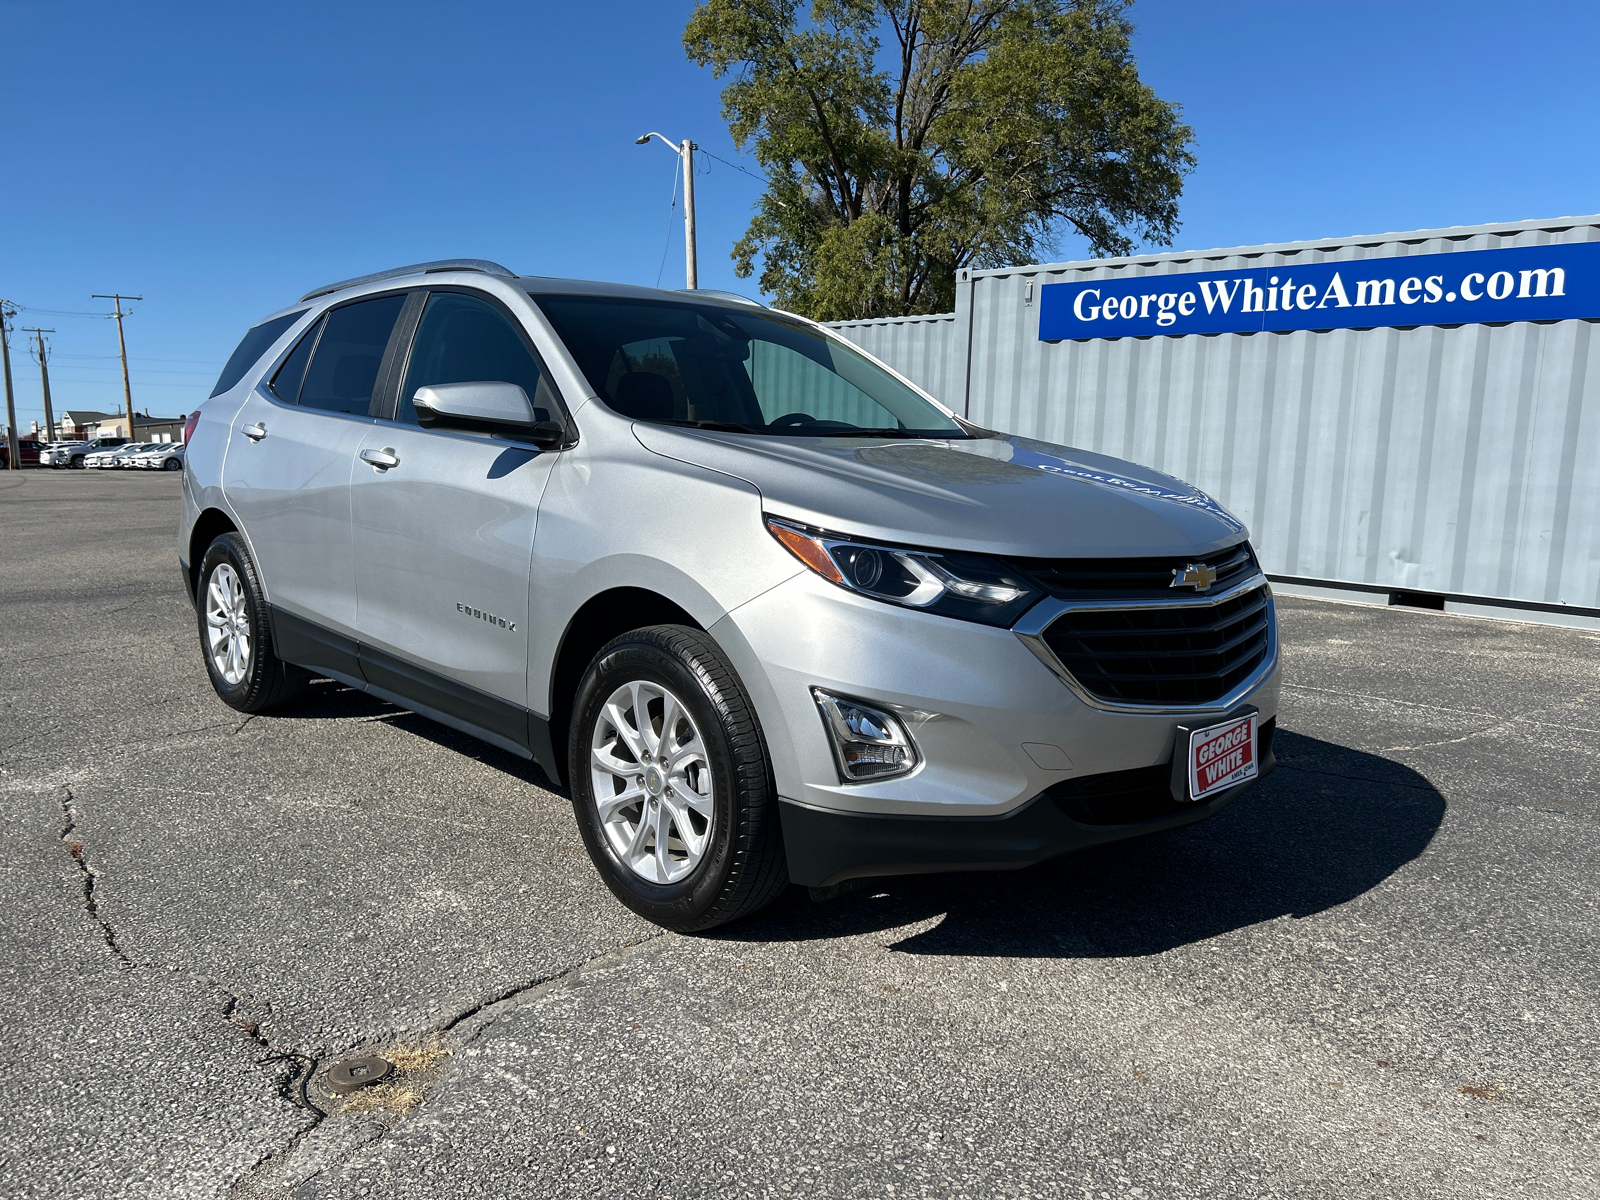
1221	756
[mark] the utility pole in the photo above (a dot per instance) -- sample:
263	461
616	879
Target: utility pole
122	344
44	380
690	271
685	150
7	311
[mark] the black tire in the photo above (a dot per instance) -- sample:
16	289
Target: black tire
77	462
743	867
172	464
266	680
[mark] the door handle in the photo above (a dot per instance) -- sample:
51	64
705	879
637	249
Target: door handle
254	432
381	460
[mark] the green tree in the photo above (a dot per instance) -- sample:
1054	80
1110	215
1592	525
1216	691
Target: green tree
903	139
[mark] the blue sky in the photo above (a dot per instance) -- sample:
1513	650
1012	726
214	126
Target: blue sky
221	159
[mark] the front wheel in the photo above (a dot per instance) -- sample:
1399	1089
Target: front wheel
671	783
172	464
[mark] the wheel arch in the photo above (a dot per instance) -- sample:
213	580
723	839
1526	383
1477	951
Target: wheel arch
211	524
602	617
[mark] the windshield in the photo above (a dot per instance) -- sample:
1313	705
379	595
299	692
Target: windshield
746	372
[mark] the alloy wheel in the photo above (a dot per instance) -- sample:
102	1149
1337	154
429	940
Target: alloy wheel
228	625
652	782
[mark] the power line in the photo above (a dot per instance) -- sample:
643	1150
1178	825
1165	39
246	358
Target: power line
79	365
671	208
143	383
736	166
56	312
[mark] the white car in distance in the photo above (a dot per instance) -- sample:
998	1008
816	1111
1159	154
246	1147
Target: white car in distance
159	456
115	458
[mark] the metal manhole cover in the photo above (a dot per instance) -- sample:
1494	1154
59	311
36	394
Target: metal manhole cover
352	1073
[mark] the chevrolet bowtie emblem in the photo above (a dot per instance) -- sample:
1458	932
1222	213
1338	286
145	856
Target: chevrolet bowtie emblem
1199	576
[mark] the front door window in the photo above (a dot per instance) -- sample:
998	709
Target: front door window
463	339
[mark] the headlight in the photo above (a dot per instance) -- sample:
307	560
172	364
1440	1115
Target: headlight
968	586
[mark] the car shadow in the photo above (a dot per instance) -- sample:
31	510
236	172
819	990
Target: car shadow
328	699
1331	824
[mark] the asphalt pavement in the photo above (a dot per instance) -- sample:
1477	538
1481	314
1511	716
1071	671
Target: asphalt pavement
1374	976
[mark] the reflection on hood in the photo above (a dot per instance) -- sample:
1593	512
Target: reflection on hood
1025	453
987	495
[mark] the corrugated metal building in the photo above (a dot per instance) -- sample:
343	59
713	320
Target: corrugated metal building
1456	460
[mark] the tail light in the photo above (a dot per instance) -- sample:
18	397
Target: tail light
188	426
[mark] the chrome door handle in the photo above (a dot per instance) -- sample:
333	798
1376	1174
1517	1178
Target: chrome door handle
381	460
254	432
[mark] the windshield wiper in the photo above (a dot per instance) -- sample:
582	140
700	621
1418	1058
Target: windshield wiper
868	433
719	426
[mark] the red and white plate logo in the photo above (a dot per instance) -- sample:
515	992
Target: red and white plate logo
1221	756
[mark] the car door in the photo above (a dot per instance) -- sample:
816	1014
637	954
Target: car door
287	476
443	527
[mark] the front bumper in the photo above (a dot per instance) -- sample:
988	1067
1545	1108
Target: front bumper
994	725
828	847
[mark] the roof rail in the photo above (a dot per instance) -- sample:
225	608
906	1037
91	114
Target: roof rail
443	264
720	295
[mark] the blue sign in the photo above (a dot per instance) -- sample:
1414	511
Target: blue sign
1523	283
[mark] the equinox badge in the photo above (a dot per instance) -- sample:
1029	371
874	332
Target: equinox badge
511	626
1199	576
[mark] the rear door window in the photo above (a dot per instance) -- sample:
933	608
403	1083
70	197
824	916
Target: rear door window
344	367
286	383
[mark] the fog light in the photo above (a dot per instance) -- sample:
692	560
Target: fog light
868	743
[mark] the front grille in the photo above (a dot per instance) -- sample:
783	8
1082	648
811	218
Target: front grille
1186	654
1129	797
1133	578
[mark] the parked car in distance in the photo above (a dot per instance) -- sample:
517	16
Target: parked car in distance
114	458
72	454
129	456
163	456
28	451
771	612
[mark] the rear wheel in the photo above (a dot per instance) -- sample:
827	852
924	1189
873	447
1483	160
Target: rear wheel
172	464
77	462
235	635
671	781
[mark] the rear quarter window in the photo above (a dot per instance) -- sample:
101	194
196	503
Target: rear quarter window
256	342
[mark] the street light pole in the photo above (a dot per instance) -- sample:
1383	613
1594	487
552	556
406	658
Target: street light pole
122	344
44	380
685	151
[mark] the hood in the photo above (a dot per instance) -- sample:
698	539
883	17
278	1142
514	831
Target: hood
994	495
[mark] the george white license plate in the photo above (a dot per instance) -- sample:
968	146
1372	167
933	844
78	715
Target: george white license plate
1221	756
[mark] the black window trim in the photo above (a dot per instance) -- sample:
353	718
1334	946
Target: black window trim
402	362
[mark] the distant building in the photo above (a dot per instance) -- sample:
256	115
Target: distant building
78	424
145	427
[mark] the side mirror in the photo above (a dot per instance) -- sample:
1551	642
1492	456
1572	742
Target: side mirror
502	408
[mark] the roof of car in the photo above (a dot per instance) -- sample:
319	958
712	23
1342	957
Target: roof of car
537	284
545	286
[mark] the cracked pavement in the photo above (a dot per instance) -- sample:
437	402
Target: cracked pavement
1373	976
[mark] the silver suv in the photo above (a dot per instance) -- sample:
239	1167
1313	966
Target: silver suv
769	611
73	454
